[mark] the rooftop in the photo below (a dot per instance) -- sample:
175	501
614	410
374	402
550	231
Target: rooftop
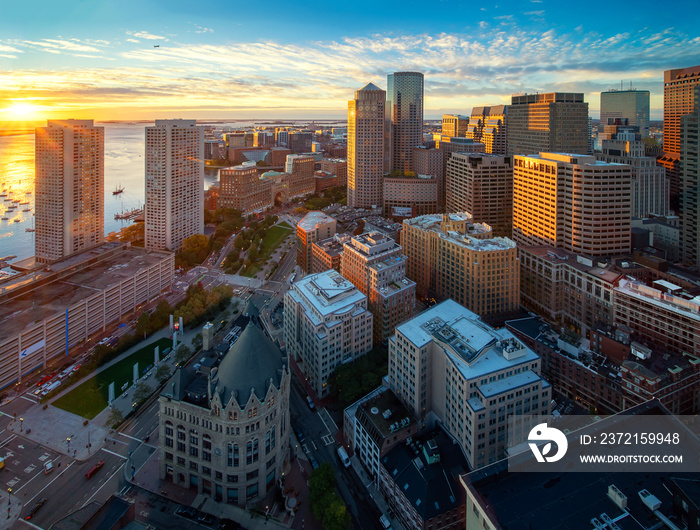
31	297
314	220
476	348
328	292
689	308
386	413
431	488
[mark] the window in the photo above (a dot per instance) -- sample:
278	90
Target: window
231	478
232	455
251	475
251	491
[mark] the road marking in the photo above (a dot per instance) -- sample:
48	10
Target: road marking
44	457
127	436
30	468
315	448
8	440
12	482
23	485
327	439
103	485
30	400
20	447
111	453
30	524
330	418
55	478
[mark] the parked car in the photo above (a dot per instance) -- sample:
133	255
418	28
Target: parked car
310	403
205	518
188	512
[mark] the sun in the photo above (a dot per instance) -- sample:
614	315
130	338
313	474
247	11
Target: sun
22	110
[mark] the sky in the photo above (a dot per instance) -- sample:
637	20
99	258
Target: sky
147	59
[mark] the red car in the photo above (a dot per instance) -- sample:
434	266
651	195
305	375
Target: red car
94	469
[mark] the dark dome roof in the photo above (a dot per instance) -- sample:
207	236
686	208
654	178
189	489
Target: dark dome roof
250	363
251	310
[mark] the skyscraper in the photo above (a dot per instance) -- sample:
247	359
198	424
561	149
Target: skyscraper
573	202
489	126
631	104
404	115
366	147
690	185
174	183
454	125
553	122
69	188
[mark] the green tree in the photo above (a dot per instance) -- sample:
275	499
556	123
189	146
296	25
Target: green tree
335	516
197	342
163	373
321	481
143	324
182	354
114	418
142	392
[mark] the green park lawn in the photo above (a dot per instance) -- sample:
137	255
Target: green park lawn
90	398
273	237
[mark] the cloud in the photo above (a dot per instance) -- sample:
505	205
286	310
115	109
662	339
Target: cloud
539	13
145	35
200	29
483	24
133	40
481	66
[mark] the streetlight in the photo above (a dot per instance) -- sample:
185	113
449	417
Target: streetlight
21	420
68	443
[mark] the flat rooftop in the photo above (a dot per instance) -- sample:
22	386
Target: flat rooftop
385	410
328	292
476	349
313	220
47	292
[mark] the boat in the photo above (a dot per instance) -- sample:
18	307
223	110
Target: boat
27	210
30	229
18	220
5	218
23	202
118	190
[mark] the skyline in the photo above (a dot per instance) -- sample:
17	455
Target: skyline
101	61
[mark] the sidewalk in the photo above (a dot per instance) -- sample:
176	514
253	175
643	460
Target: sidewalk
374	492
9	509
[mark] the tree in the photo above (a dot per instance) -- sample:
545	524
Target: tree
182	354
163	373
143	324
197	342
142	392
115	418
335	516
132	233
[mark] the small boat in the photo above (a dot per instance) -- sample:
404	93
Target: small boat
15	201
23	202
5	218
27	210
30	229
8	200
118	190
18	220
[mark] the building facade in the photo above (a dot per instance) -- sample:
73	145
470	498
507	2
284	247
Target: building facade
69	188
450	256
313	227
482	185
446	363
554	122
373	262
174	183
572	202
242	189
410	196
454	125
337	167
326	323
489	125
690	185
226	433
46	314
429	161
650	187
327	253
404	116
366	147
631	104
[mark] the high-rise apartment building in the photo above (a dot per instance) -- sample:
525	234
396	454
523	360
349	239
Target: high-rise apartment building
373	262
454	125
631	104
482	185
174	183
573	202
650	187
410	196
489	126
679	100
553	122
690	185
69	188
447	365
366	147
404	115
326	323
450	256
313	227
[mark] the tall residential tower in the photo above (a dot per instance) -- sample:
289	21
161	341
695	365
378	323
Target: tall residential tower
366	147
404	115
174	183
69	188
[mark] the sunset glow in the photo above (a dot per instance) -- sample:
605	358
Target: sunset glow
23	111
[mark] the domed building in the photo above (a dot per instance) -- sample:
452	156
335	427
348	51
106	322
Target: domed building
225	433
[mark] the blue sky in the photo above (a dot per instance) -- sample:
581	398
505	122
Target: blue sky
286	59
